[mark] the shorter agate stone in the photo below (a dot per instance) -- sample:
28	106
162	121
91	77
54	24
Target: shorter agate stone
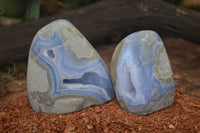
65	73
141	74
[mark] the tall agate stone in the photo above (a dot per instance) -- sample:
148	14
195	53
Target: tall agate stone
141	74
65	73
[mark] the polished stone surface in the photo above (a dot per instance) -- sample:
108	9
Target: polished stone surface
65	73
141	73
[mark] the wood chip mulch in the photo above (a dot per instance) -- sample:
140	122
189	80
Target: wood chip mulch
17	115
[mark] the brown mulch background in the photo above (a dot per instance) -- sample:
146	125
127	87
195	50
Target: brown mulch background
16	114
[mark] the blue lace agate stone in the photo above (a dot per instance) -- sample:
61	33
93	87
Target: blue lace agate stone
141	74
65	73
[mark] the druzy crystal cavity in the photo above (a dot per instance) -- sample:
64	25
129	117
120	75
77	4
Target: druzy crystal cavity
141	74
65	73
